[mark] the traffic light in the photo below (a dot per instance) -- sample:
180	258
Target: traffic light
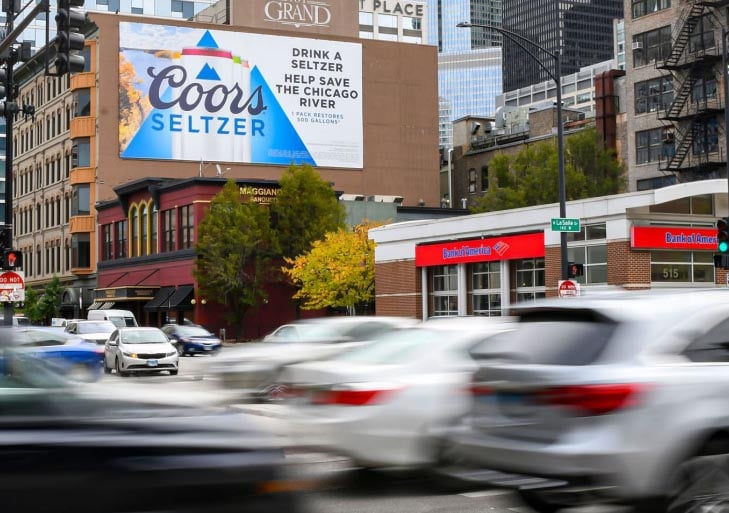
3	82
722	235
574	269
70	39
12	259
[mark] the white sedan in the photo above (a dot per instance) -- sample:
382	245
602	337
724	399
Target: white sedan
379	404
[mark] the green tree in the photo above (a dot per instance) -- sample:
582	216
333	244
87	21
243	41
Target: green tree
531	177
49	305
338	271
31	305
235	248
306	208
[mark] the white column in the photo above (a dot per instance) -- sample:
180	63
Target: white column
425	291
462	290
505	287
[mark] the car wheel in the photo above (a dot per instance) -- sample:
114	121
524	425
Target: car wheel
537	502
119	370
174	372
107	369
701	484
80	373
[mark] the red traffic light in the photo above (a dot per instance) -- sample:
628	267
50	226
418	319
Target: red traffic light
12	259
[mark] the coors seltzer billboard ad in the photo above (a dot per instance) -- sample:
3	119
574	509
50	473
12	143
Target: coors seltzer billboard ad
219	96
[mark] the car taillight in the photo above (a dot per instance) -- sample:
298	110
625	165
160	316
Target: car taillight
477	390
594	399
353	396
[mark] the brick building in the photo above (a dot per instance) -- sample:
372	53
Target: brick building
481	264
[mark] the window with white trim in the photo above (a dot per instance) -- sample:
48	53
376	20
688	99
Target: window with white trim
530	279
486	288
445	290
589	248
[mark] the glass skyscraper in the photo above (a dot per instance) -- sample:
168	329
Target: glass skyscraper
469	60
585	26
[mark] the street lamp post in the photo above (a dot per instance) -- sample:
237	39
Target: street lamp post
557	77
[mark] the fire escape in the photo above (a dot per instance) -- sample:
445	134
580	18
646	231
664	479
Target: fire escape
692	119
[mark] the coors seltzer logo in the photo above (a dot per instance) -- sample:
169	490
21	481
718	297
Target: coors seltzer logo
187	95
299	13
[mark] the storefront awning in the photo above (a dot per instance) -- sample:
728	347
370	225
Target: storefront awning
94	306
180	299
159	299
106	306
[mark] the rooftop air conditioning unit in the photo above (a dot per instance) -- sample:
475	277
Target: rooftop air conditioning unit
637	45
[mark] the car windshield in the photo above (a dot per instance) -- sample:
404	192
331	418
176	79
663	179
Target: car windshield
96	327
143	337
396	347
122	322
193	331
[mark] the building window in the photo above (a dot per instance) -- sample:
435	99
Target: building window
186	227
81	156
702	37
703	89
81	103
107	247
143	229
486	288
643	7
589	247
472	180
81	200
154	219
530	279
653	95
386	21
134	221
169	221
657	182
706	136
81	250
366	18
445	290
682	267
651	46
121	239
484	179
653	145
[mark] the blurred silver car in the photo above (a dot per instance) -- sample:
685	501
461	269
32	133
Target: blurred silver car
378	403
139	350
96	332
619	399
252	369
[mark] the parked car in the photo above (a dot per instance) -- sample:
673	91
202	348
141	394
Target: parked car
96	332
191	339
253	369
139	350
68	355
378	403
65	448
616	399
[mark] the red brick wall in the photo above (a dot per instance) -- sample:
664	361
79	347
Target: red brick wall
397	289
552	269
631	269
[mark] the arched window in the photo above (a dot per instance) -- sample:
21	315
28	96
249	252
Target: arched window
154	220
134	227
144	229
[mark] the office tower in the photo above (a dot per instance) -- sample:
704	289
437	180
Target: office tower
585	26
469	60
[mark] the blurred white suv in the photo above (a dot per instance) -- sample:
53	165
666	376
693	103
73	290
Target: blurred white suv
616	399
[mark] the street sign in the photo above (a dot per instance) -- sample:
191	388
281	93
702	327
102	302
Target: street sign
565	224
12	286
568	288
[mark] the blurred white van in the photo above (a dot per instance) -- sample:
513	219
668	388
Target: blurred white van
120	318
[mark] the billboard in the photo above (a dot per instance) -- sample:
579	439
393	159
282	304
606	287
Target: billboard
219	96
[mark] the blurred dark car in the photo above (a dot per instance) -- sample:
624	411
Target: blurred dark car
69	355
64	449
192	339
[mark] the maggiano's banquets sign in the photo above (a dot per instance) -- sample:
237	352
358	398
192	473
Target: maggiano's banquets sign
299	13
197	94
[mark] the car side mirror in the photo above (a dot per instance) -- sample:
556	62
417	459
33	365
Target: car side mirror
113	343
